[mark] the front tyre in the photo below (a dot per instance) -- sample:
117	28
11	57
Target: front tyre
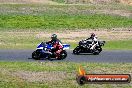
97	51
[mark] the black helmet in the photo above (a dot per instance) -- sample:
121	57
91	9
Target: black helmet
54	36
92	35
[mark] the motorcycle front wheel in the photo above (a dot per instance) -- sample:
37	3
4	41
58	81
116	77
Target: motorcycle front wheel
97	51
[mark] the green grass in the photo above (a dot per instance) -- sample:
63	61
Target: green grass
59	1
69	69
63	21
119	45
25	16
50	66
110	45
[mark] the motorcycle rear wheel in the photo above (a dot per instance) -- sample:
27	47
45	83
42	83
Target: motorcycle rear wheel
63	55
76	51
35	56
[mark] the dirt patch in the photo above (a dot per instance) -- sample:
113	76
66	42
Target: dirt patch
107	34
27	1
129	2
115	12
99	1
40	76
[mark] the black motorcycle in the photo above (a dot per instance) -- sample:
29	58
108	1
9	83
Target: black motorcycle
85	45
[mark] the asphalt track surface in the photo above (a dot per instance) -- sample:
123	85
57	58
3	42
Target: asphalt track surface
105	56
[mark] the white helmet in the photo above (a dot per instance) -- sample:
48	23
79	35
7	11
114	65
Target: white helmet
96	36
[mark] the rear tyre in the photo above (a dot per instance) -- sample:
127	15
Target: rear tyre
63	55
35	55
49	58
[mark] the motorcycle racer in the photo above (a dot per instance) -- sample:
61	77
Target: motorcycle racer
94	39
92	36
89	45
94	42
57	44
